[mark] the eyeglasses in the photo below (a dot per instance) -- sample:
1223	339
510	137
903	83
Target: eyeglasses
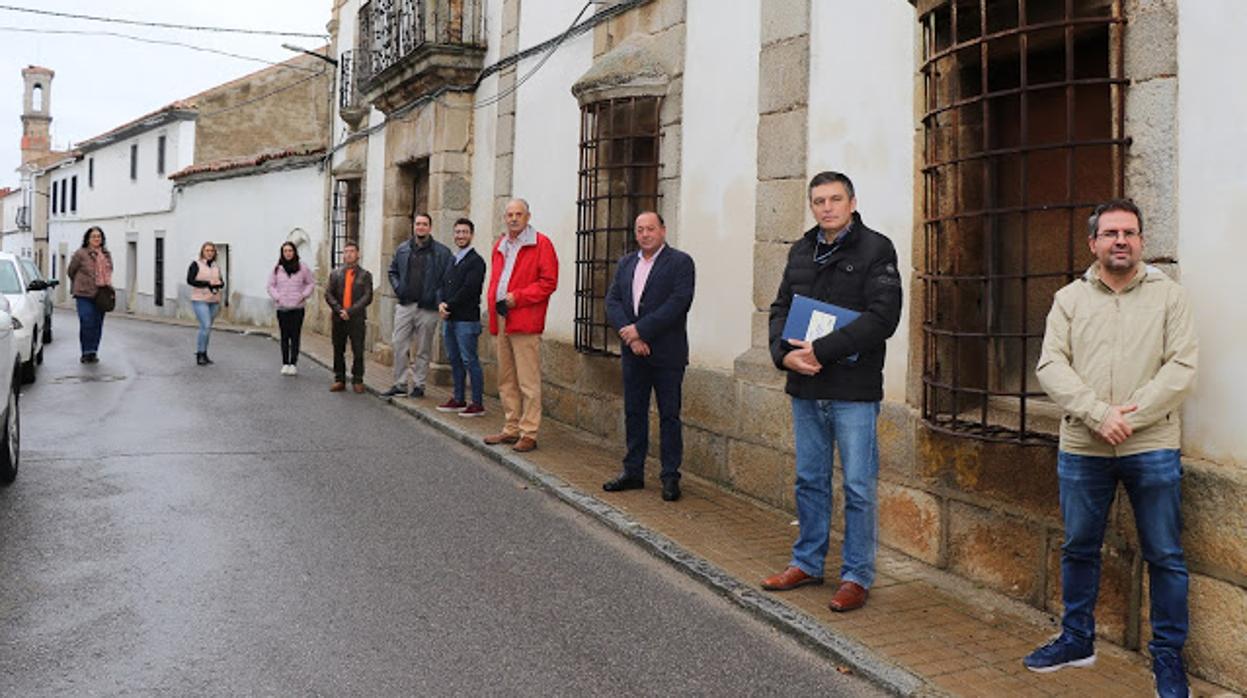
1129	235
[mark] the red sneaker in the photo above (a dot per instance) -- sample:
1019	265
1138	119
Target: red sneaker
451	405
476	409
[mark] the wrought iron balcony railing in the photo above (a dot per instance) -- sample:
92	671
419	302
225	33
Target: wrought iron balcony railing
350	74
392	30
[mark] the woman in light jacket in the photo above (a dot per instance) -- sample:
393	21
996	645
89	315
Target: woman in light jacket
290	285
90	268
206	281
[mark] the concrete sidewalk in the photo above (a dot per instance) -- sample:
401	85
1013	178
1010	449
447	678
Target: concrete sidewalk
924	632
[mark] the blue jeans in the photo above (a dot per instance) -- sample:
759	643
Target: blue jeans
820	425
1153	481
205	313
461	349
90	325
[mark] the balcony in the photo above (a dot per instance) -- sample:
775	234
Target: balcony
410	48
351	105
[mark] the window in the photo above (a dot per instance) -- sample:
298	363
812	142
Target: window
160	155
73	194
159	291
90	173
10	280
56	200
134	161
346	200
1022	126
618	180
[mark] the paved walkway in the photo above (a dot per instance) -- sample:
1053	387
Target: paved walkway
924	632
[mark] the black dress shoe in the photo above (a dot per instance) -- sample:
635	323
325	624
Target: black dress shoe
623	482
670	490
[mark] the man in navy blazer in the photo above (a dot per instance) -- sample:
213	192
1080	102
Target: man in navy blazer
648	304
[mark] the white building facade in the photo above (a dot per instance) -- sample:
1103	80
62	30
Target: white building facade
15	232
119	181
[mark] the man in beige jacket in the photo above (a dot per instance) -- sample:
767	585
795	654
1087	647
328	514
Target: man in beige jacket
1119	355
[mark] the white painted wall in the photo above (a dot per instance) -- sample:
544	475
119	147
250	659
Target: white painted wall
547	149
862	124
127	210
485	140
11	239
718	184
1212	182
241	212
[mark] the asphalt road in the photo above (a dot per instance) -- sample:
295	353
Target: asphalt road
178	530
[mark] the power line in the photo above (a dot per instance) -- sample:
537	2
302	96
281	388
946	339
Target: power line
160	25
145	40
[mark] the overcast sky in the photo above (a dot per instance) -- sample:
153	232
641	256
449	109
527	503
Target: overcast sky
102	82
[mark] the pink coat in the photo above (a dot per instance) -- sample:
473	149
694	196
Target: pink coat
290	290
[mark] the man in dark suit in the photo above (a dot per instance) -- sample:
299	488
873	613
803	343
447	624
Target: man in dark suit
648	304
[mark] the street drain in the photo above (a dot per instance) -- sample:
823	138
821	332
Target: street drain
87	379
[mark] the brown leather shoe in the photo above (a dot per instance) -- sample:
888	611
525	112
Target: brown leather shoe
525	444
358	387
337	387
790	578
503	438
848	597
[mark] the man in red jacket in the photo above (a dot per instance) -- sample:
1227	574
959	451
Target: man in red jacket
523	273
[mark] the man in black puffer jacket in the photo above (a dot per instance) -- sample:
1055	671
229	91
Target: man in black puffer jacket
836	383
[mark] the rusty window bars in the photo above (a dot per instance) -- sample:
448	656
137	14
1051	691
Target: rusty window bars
1023	134
618	179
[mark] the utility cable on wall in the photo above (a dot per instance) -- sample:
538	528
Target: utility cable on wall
159	25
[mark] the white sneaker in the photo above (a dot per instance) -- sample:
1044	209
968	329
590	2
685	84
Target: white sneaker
285	369
294	370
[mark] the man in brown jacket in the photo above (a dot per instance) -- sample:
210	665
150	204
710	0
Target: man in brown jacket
348	293
1118	357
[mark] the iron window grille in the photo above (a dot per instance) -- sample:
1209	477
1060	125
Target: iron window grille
346	202
1023	136
619	163
159	290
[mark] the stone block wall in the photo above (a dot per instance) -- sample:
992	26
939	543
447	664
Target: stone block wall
281	107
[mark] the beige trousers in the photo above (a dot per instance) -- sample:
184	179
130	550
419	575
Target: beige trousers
519	381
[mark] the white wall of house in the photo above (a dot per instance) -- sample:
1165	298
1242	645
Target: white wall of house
547	149
374	176
718	180
130	211
485	139
862	124
1212	181
254	215
12	239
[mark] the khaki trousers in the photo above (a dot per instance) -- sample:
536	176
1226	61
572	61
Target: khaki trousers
414	328
519	381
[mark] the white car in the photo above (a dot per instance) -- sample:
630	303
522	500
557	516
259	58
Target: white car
10	421
26	307
33	274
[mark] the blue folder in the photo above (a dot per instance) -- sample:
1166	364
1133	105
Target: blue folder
810	319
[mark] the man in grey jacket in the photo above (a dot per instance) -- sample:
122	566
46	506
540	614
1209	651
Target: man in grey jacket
416	274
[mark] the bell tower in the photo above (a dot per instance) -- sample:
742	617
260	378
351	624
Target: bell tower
36	112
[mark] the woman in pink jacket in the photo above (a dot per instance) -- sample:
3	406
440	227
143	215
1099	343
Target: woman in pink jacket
290	285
